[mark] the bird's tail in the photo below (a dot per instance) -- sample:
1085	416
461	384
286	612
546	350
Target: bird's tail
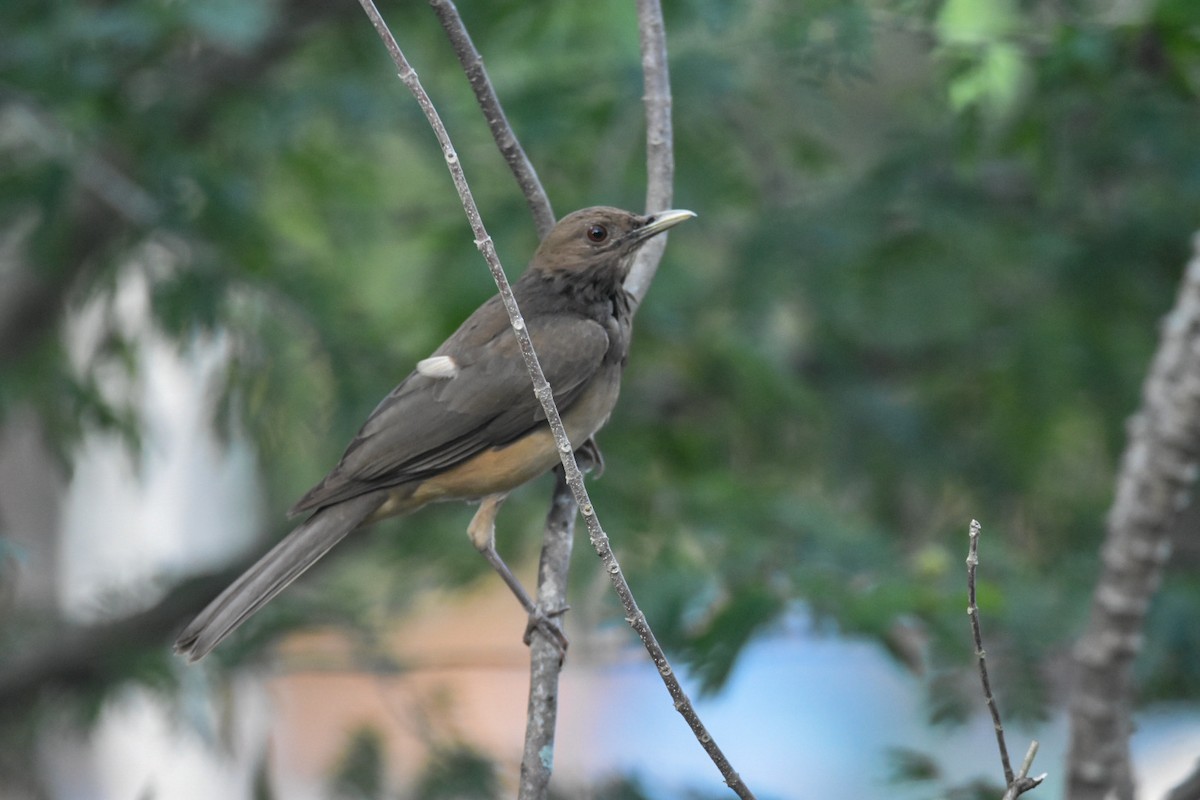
298	551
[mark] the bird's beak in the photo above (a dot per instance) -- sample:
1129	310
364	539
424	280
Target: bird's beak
659	222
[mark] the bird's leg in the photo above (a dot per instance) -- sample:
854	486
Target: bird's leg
482	530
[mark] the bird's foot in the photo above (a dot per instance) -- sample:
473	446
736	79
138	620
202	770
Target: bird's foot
548	623
589	458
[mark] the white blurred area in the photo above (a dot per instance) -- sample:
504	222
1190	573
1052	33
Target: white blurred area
186	502
109	540
804	715
139	749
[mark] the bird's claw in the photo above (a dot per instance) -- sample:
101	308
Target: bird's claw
546	622
589	458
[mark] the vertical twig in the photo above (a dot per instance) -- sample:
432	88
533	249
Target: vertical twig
1019	784
543	392
489	103
981	655
544	654
660	141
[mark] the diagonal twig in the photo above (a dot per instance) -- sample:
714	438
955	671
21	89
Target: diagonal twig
545	656
544	394
545	663
489	103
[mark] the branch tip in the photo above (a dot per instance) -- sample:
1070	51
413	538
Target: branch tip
981	656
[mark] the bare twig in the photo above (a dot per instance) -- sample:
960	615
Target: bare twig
489	103
1154	483
544	654
543	392
980	655
660	147
1016	785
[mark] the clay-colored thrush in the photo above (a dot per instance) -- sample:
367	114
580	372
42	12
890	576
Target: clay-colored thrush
465	424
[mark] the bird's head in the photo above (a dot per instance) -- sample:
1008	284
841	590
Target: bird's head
601	235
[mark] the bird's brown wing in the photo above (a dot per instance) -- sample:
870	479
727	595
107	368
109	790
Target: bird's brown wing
428	424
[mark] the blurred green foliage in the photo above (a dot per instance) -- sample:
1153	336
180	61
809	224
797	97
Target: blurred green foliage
912	767
932	251
360	772
458	773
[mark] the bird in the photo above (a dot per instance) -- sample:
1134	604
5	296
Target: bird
465	424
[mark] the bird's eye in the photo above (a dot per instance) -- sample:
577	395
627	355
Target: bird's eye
597	233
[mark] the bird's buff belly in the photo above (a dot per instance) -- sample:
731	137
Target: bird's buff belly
499	470
494	471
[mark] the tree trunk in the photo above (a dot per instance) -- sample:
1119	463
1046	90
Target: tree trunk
1157	471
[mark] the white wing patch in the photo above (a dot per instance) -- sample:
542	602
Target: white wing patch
441	367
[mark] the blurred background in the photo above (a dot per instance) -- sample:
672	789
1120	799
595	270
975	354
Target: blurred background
934	243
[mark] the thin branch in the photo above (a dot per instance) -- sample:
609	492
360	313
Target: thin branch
489	103
545	396
660	141
544	654
1016	785
981	655
1154	483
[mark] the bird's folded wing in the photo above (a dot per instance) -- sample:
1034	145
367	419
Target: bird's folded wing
429	424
